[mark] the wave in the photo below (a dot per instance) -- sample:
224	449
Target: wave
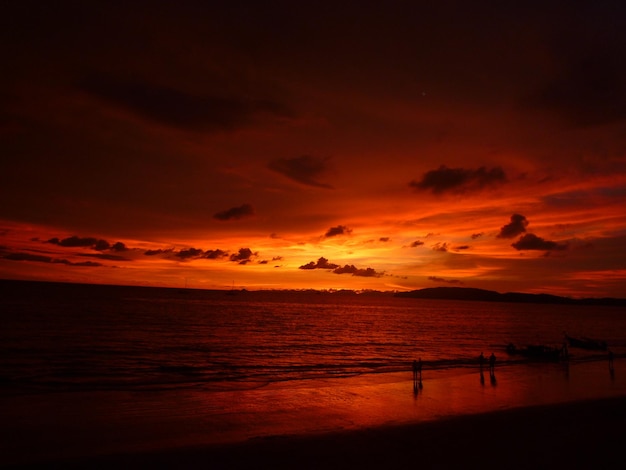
235	377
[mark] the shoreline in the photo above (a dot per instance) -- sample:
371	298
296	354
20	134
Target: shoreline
529	414
581	434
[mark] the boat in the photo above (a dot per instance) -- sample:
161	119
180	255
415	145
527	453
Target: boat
538	352
586	343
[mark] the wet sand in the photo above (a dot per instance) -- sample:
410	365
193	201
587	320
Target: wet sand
588	434
540	416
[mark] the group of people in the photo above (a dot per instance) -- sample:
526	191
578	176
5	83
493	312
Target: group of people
417	369
492	363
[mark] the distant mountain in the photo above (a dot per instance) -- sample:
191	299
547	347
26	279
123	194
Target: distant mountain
465	293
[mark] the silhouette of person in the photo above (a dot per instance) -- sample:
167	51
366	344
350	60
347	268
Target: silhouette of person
481	362
610	360
419	371
492	364
417	374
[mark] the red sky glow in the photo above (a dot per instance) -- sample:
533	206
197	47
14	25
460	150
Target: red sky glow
330	145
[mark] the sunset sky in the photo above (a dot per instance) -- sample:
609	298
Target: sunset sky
389	145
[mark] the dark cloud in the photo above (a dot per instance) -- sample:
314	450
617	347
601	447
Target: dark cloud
215	254
235	213
416	243
47	259
106	256
85	263
384	239
459	180
28	257
447	281
531	241
305	169
119	246
338	230
189	253
243	256
443	247
157	252
517	225
352	269
477	235
180	109
88	242
82	242
321	263
462	247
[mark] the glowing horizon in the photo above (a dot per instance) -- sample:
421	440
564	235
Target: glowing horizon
211	149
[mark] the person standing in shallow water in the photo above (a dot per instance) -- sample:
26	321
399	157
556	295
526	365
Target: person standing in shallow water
492	364
417	374
419	369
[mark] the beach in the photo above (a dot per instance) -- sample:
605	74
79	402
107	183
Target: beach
549	415
586	434
121	377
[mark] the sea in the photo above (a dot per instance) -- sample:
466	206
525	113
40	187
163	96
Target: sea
135	367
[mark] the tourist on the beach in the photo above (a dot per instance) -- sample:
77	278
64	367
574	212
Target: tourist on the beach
481	361
419	372
492	364
417	375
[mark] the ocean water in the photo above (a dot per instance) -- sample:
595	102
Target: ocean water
64	337
91	370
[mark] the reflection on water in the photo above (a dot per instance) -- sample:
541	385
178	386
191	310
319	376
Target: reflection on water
136	368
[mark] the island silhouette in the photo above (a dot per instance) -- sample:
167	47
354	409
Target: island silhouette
468	293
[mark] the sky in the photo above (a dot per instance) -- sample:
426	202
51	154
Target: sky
390	145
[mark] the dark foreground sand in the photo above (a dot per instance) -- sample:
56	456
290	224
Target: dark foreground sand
588	434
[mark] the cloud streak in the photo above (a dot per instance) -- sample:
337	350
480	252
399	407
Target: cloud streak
180	109
446	281
323	263
235	213
531	241
459	180
305	169
48	259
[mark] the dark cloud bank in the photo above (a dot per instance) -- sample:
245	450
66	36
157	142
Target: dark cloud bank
305	169
235	213
47	259
180	109
532	242
88	242
323	263
528	241
459	180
